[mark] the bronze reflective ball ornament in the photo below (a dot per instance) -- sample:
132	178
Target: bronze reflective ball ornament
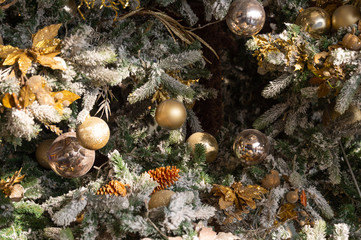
42	153
170	114
245	17
68	158
251	146
93	133
315	21
209	142
345	16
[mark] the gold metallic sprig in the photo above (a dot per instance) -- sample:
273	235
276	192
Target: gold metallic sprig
106	3
6	185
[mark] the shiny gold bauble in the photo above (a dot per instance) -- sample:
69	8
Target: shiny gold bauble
345	16
315	21
93	133
292	196
68	158
42	153
209	142
170	114
251	146
17	193
160	199
271	180
245	17
351	42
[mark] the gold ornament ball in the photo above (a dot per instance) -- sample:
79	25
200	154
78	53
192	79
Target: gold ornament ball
68	158
315	21
292	197
160	199
42	153
209	142
251	146
245	17
345	16
271	180
170	114
17	193
93	133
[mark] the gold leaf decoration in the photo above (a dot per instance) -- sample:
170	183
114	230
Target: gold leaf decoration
238	195
45	47
287	211
6	185
27	97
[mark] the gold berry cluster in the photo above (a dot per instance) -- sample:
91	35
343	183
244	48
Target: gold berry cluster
165	176
114	187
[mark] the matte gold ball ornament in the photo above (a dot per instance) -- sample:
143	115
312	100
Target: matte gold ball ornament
251	146
345	16
209	142
315	21
68	158
170	114
41	153
93	133
245	17
160	199
292	196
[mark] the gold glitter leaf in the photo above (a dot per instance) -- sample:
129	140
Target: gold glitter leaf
50	62
287	211
8	101
24	62
26	97
12	57
6	50
47	33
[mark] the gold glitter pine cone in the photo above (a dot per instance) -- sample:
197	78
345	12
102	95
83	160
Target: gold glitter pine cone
165	176
114	187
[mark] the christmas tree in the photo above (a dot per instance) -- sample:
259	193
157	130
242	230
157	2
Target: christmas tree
176	119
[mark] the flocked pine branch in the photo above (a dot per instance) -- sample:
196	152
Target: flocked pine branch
347	93
270	115
277	85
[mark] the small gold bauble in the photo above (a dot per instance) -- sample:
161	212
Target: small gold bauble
345	16
292	196
315	21
68	158
42	153
170	114
271	180
93	133
17	193
160	199
209	142
251	146
245	17
351	42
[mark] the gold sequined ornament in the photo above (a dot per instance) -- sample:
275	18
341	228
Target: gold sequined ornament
345	16
170	114
245	17
42	153
93	133
160	199
251	146
315	21
209	142
68	158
